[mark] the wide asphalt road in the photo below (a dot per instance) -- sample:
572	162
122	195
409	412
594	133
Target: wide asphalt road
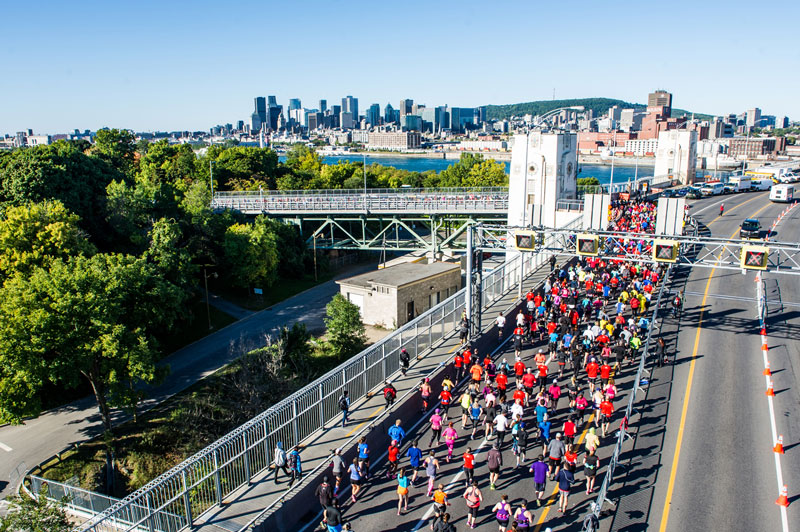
718	468
24	446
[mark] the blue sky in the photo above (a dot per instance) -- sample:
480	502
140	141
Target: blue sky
159	65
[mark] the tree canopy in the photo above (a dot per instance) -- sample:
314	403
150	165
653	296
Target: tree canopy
346	333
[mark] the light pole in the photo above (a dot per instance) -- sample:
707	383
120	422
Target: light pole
208	305
364	166
611	181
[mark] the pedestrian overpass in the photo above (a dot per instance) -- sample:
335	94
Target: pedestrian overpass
405	219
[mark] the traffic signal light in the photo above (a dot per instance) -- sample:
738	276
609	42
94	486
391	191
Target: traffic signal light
665	251
525	240
754	257
587	245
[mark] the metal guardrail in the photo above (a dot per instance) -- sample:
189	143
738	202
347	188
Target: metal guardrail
591	521
426	201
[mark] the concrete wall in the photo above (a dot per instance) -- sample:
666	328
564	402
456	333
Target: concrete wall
420	291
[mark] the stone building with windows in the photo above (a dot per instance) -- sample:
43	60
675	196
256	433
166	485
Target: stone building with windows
393	296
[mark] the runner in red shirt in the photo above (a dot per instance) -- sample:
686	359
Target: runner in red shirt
458	363
528	380
519	369
591	371
605	372
569	430
542	375
393	451
469	465
520	395
467	356
607	409
502	382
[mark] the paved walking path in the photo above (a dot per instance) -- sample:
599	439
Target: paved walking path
245	504
55	430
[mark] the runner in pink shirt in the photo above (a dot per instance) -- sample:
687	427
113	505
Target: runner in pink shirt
450	436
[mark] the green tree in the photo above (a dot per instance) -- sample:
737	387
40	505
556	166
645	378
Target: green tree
60	171
589	185
36	515
34	235
251	254
84	319
243	168
117	147
345	332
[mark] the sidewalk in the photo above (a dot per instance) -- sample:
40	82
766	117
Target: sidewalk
247	503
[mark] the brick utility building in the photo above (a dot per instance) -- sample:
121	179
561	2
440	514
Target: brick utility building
393	296
756	146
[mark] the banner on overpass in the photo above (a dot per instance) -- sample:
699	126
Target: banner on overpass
669	216
596	210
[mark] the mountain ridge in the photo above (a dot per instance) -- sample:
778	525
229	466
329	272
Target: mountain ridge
599	105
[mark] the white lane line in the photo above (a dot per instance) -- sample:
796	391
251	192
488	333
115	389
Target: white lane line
5	447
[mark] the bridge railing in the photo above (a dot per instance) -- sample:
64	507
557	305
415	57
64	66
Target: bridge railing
172	501
354	200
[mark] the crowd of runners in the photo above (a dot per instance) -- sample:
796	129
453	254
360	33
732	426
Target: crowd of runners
543	411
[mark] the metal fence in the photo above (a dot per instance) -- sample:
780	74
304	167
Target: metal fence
172	501
429	201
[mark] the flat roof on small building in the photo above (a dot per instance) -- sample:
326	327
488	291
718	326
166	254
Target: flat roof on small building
400	275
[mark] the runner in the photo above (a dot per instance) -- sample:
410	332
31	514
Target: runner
569	430
607	410
450	436
396	432
440	503
592	441
539	469
519	370
436	428
332	517
458	364
475	411
425	393
469	466
339	467
565	479
592	368
344	406
445	396
431	470
494	459
500	426
363	456
501	325
502	512
476	371
522	444
474	498
402	491
414	454
522	516
556	450
721	208
356	478
392	454
443	524
324	493
590	465
465	401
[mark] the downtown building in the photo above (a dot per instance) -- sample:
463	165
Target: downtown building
394	140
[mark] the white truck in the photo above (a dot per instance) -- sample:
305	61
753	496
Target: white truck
740	183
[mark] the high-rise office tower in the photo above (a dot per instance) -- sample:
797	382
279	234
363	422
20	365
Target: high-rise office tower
406	107
388	114
374	115
660	98
753	118
259	117
294	103
323	106
350	105
272	101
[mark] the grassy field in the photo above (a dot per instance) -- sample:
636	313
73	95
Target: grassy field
280	291
197	328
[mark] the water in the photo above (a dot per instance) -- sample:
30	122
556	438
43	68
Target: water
622	174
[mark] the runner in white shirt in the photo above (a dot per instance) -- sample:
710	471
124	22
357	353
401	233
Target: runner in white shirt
500	425
501	325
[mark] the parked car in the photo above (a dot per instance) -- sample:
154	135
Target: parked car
694	193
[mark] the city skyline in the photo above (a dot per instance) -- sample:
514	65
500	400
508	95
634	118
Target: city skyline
184	66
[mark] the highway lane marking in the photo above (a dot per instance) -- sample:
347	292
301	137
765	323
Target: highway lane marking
681	427
5	447
551	500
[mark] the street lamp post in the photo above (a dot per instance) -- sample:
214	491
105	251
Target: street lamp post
364	166
208	305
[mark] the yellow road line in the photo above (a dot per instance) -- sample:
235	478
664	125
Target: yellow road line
674	470
550	499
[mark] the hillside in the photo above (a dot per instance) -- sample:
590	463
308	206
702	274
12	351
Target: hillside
600	106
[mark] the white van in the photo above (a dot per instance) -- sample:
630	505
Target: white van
782	193
761	183
712	189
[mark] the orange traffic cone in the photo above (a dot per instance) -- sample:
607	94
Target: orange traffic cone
764	347
767	371
779	446
770	389
763	331
783	499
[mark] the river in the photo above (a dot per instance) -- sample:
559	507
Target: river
421	164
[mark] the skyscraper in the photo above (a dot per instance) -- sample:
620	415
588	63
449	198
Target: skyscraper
259	117
406	107
374	115
323	106
388	114
294	103
753	118
350	105
660	98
